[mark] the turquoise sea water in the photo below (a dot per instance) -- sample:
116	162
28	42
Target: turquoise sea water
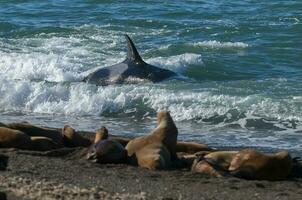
242	61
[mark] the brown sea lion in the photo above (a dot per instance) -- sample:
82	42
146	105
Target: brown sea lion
33	130
221	158
10	138
202	166
72	139
163	136
250	164
106	150
39	143
154	156
191	147
215	163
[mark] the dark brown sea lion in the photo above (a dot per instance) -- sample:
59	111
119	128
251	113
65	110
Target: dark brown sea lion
73	139
39	143
250	164
163	136
106	150
123	140
33	130
10	138
215	163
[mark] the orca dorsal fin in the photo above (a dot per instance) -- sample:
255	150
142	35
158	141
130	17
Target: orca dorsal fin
132	53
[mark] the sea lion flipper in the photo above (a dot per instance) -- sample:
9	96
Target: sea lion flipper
132	53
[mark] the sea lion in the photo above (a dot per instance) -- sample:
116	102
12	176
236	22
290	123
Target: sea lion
250	164
32	130
154	156
163	136
222	159
39	143
106	150
72	139
215	164
10	138
202	166
132	70
191	147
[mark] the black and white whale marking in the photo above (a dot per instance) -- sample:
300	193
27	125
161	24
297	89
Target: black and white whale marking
132	70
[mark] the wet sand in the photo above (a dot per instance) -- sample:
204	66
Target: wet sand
65	174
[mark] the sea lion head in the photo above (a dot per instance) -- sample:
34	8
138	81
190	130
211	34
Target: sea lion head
164	117
101	134
243	157
283	155
73	139
250	164
201	165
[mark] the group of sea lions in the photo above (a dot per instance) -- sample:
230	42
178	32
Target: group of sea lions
157	150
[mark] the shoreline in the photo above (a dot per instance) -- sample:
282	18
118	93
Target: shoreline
48	175
65	174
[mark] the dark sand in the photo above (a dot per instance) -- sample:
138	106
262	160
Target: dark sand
62	174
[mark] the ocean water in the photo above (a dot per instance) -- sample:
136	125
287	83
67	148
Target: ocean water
241	61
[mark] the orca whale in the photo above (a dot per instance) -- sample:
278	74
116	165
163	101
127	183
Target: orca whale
132	70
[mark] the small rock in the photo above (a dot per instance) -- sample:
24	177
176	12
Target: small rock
3	196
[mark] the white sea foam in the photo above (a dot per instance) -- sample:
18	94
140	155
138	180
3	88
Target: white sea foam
217	44
178	63
86	99
36	66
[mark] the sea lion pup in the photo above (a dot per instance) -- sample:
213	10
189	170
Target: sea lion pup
105	150
10	138
72	139
250	164
146	150
191	147
39	143
215	164
33	130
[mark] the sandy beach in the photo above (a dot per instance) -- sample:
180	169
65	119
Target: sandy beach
65	174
